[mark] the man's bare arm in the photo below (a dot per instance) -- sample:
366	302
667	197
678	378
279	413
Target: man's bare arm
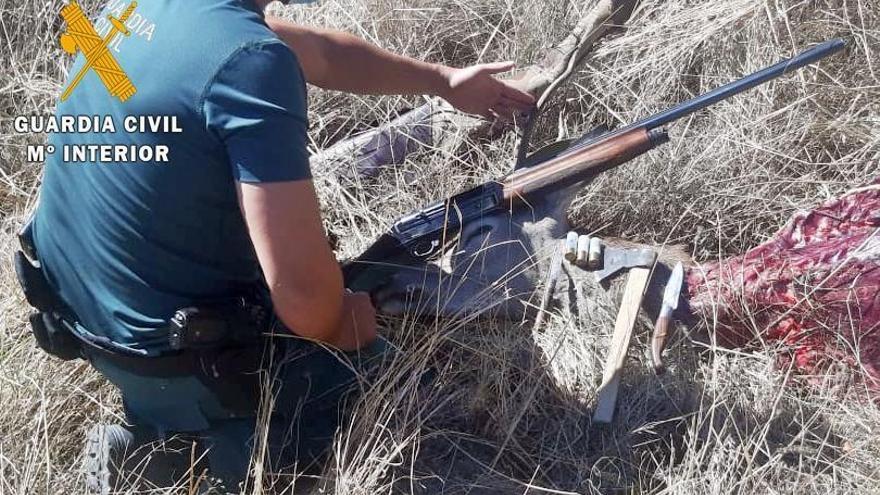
340	61
302	274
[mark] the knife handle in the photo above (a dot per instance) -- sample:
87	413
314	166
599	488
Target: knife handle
658	342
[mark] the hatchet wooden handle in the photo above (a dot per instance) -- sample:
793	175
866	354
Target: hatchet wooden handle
606	401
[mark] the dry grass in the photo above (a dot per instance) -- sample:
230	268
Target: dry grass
509	411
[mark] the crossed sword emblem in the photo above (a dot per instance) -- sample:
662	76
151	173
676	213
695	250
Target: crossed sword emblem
82	36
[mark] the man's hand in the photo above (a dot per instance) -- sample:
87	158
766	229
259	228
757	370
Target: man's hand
357	327
474	90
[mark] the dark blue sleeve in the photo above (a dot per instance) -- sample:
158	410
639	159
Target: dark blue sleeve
256	105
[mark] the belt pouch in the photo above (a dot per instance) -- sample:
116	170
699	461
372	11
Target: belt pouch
54	337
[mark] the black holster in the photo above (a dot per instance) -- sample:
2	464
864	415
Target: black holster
49	329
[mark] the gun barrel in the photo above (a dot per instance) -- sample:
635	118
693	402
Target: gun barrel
818	52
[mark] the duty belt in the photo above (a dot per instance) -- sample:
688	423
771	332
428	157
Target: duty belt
193	332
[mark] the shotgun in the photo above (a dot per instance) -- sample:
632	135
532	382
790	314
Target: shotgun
424	234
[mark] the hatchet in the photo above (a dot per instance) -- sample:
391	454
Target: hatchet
639	262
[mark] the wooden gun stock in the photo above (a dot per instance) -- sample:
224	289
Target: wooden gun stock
615	149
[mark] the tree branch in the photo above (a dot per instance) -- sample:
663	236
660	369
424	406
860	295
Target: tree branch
436	124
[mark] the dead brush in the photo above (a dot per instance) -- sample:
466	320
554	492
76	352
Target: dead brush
508	409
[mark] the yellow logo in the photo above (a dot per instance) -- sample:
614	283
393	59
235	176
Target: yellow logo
82	36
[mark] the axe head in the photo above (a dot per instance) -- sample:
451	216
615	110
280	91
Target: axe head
68	43
616	259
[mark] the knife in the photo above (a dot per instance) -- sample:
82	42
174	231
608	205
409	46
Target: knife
661	327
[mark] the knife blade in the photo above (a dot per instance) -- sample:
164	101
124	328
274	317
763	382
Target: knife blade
661	326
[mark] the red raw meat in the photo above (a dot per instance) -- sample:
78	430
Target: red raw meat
814	288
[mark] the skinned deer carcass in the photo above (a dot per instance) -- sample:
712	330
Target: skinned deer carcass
813	288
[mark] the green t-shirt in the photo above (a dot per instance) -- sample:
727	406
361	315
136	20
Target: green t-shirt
126	244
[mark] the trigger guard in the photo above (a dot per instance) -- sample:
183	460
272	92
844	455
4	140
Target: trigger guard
429	250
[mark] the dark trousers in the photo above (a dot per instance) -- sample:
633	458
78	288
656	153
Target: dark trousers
309	385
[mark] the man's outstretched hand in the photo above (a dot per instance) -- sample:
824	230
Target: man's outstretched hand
474	90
